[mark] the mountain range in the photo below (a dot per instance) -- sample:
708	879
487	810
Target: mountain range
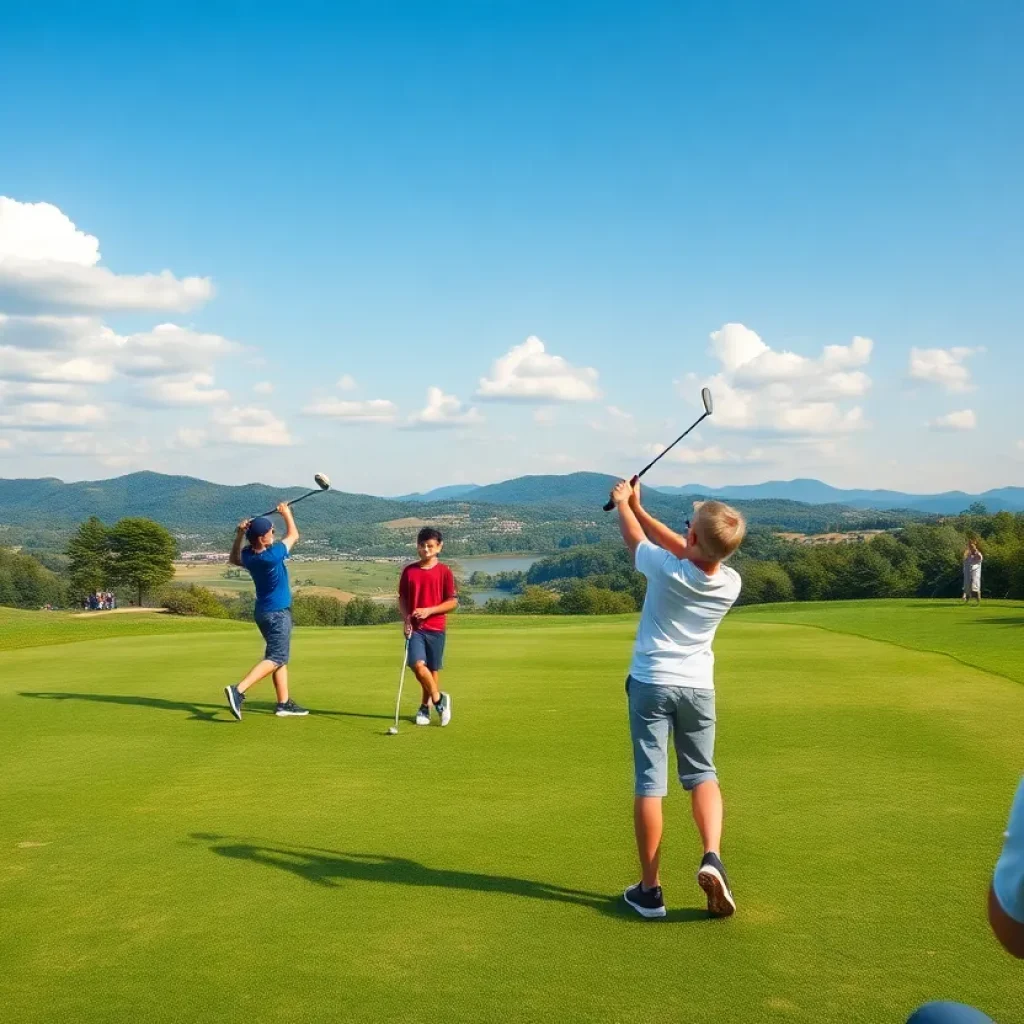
543	489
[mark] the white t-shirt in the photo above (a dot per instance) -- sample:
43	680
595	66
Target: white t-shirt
682	610
1008	880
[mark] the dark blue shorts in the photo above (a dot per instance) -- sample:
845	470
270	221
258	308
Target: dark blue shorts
276	628
427	646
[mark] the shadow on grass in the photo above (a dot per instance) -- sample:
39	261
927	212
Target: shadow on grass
1006	620
196	712
331	868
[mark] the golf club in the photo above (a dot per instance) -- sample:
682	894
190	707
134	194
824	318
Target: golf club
705	394
323	483
393	731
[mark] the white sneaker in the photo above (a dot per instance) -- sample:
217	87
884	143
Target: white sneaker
444	709
423	715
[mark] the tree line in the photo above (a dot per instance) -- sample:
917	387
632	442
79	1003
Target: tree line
919	560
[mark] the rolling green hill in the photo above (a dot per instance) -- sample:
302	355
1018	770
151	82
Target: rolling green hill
539	513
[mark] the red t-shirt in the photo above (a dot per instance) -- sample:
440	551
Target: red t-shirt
426	588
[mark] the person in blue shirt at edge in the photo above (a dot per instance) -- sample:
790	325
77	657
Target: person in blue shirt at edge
264	560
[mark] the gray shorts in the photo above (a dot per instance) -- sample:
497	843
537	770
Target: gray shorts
685	713
276	628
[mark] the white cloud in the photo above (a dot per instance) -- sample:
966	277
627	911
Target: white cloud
962	419
46	263
250	425
943	366
196	389
763	390
614	421
443	412
1020	445
528	373
51	416
346	382
189	437
264	387
375	410
169	349
83	350
710	456
114	452
16	393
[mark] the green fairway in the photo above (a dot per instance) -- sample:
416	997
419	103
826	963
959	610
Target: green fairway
161	862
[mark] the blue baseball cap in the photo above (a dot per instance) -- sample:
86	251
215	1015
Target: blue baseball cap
258	527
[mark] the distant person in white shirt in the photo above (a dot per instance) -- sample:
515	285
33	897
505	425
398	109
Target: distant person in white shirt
671	685
972	571
1005	914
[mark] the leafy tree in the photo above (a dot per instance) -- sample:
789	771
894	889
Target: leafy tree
765	583
142	555
89	557
24	583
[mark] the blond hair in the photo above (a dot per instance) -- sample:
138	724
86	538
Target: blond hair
720	529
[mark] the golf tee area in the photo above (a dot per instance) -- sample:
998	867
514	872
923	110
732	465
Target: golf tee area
161	862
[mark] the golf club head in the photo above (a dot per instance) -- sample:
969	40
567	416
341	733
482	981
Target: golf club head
705	394
322	480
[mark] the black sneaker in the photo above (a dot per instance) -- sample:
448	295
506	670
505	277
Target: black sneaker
289	708
712	879
235	700
646	902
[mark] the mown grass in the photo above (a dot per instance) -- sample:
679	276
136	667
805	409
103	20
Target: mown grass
160	861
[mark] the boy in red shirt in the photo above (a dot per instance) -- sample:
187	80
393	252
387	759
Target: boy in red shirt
426	593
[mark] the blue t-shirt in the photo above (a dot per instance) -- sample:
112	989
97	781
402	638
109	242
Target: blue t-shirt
273	593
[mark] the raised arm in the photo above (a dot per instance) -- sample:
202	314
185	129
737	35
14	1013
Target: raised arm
235	557
629	526
289	539
655	531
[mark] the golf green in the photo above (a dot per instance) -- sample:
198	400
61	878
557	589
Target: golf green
161	862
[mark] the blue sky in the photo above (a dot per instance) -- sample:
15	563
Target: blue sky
379	199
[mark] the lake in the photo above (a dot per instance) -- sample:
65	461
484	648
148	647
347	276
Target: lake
491	564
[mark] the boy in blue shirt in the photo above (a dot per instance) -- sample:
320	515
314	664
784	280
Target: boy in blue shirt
264	560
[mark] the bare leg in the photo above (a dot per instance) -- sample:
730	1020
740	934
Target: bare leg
264	668
437	683
426	680
707	813
648	823
281	683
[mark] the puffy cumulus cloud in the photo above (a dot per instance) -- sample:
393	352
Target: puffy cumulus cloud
346	382
249	425
48	264
529	373
442	412
760	389
195	389
710	456
375	410
962	419
169	349
17	393
945	367
51	416
83	350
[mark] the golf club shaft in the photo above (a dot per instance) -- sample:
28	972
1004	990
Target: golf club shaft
295	501
693	426
401	680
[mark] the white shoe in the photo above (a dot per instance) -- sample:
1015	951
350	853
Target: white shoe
444	709
423	715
